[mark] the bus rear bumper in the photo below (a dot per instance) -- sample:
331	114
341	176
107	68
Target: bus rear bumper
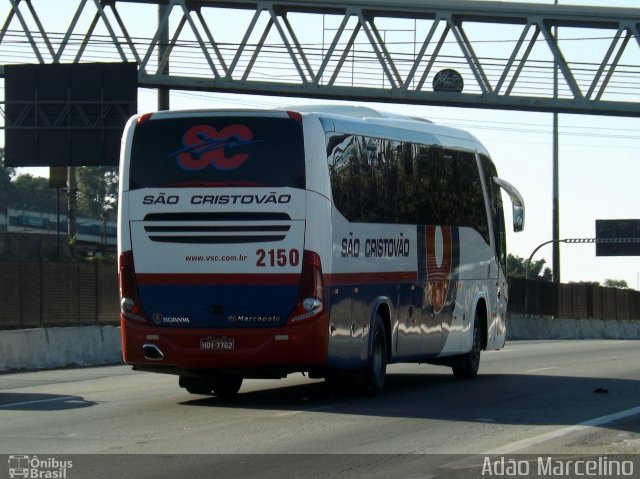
257	352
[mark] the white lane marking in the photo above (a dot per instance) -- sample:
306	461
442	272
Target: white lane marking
539	369
25	403
300	411
476	460
532	441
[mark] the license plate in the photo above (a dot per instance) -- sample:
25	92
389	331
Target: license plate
216	344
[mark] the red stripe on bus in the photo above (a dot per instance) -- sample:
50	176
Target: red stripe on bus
371	278
151	279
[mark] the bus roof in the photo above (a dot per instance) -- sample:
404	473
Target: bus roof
359	120
366	120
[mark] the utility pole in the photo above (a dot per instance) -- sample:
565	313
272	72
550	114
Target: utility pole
556	171
163	46
72	190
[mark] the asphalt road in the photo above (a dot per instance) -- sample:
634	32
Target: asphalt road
573	398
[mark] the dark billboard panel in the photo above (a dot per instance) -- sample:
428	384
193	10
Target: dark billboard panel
617	237
67	114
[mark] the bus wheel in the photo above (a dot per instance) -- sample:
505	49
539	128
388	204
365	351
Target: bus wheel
221	385
225	385
466	366
376	371
195	385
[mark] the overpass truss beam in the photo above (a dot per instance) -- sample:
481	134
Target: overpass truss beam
507	54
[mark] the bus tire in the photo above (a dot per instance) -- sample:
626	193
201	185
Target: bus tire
221	385
376	370
226	385
467	365
195	385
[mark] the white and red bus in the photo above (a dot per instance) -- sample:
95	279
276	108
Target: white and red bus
325	241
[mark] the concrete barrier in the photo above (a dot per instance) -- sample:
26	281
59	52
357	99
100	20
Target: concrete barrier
48	348
528	327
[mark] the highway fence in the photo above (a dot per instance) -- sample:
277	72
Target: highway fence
42	293
51	293
572	300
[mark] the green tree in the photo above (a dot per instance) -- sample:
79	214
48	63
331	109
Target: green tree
516	267
6	174
32	193
97	191
5	171
615	283
24	191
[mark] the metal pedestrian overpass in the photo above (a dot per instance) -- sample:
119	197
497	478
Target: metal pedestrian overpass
500	55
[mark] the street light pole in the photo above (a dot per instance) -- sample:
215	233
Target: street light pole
163	46
556	174
572	241
528	263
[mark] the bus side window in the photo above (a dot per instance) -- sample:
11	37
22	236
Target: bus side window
496	206
375	180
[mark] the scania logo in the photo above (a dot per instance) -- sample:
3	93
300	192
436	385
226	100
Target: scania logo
159	318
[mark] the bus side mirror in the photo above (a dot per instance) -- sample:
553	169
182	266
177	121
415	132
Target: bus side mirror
518	218
516	200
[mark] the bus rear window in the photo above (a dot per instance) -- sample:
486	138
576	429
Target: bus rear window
217	151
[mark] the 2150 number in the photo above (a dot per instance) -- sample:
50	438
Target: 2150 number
277	257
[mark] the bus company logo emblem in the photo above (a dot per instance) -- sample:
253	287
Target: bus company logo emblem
159	318
203	145
439	265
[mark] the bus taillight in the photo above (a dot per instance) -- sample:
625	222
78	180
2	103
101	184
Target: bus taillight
310	298
129	303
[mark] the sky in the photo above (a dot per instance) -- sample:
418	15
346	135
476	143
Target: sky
599	166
